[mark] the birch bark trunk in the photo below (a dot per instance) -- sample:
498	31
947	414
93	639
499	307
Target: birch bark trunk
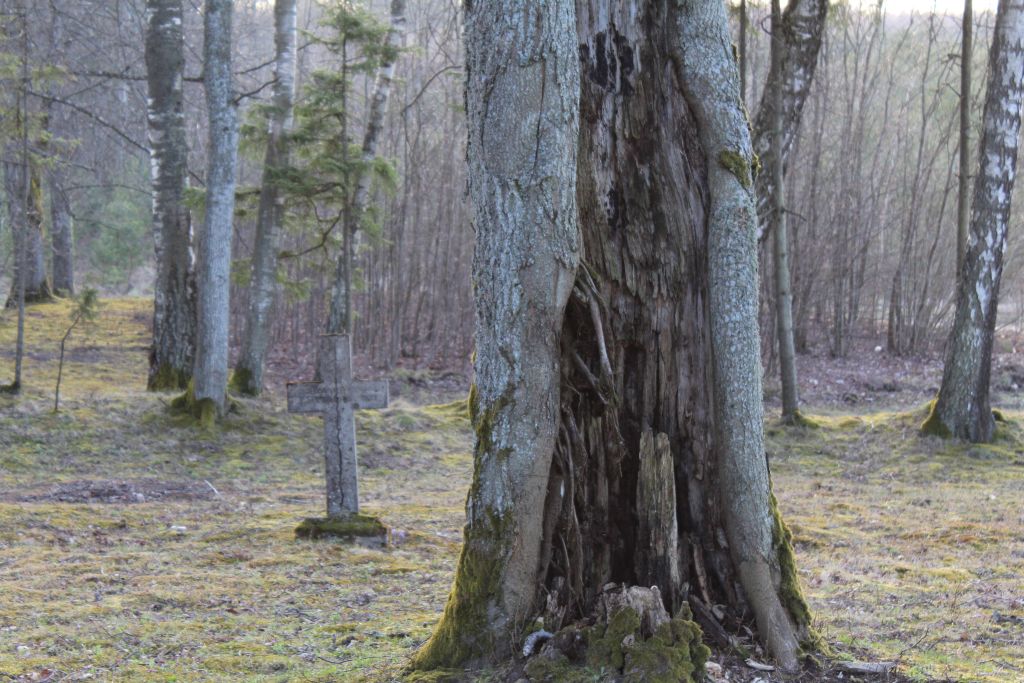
248	377
802	28
214	274
963	408
174	306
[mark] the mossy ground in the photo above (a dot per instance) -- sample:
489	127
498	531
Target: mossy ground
908	548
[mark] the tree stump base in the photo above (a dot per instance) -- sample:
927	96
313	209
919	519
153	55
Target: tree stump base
632	639
363	530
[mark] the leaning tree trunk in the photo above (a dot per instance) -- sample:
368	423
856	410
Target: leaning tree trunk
803	26
174	305
568	407
62	235
214	275
340	315
248	377
962	408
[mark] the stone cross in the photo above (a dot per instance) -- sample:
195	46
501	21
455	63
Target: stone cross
337	396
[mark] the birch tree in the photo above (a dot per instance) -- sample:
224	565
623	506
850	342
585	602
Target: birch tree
174	306
963	408
211	359
798	40
248	377
616	297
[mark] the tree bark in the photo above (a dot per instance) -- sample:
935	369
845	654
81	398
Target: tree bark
248	377
62	236
340	314
214	274
33	260
174	306
522	94
780	236
575	364
962	408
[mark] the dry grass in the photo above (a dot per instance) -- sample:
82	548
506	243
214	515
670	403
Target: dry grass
908	548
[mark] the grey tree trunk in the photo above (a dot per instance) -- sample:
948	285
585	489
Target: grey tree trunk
962	408
33	261
248	377
62	236
780	236
712	85
213	281
340	314
963	182
803	25
522	90
174	304
579	368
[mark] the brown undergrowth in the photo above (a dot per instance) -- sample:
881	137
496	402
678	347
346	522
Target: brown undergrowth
134	546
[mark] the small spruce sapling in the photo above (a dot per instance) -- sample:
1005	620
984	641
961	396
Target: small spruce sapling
86	308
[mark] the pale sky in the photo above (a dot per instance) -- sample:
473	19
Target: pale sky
948	6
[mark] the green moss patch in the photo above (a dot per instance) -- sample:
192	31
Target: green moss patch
349	527
738	165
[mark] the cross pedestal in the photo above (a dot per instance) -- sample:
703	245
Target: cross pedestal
337	396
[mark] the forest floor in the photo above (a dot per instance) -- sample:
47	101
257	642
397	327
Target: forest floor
135	547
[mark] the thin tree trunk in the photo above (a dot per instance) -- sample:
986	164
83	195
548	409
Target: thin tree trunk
248	376
962	408
174	307
214	282
963	185
780	237
340	316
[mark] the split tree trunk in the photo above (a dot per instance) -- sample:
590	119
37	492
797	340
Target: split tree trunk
962	409
248	377
574	366
174	306
214	275
340	314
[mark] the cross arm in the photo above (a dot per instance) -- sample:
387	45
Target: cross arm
307	397
370	394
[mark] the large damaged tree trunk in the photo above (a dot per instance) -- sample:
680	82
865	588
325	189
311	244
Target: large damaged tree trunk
962	408
593	381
